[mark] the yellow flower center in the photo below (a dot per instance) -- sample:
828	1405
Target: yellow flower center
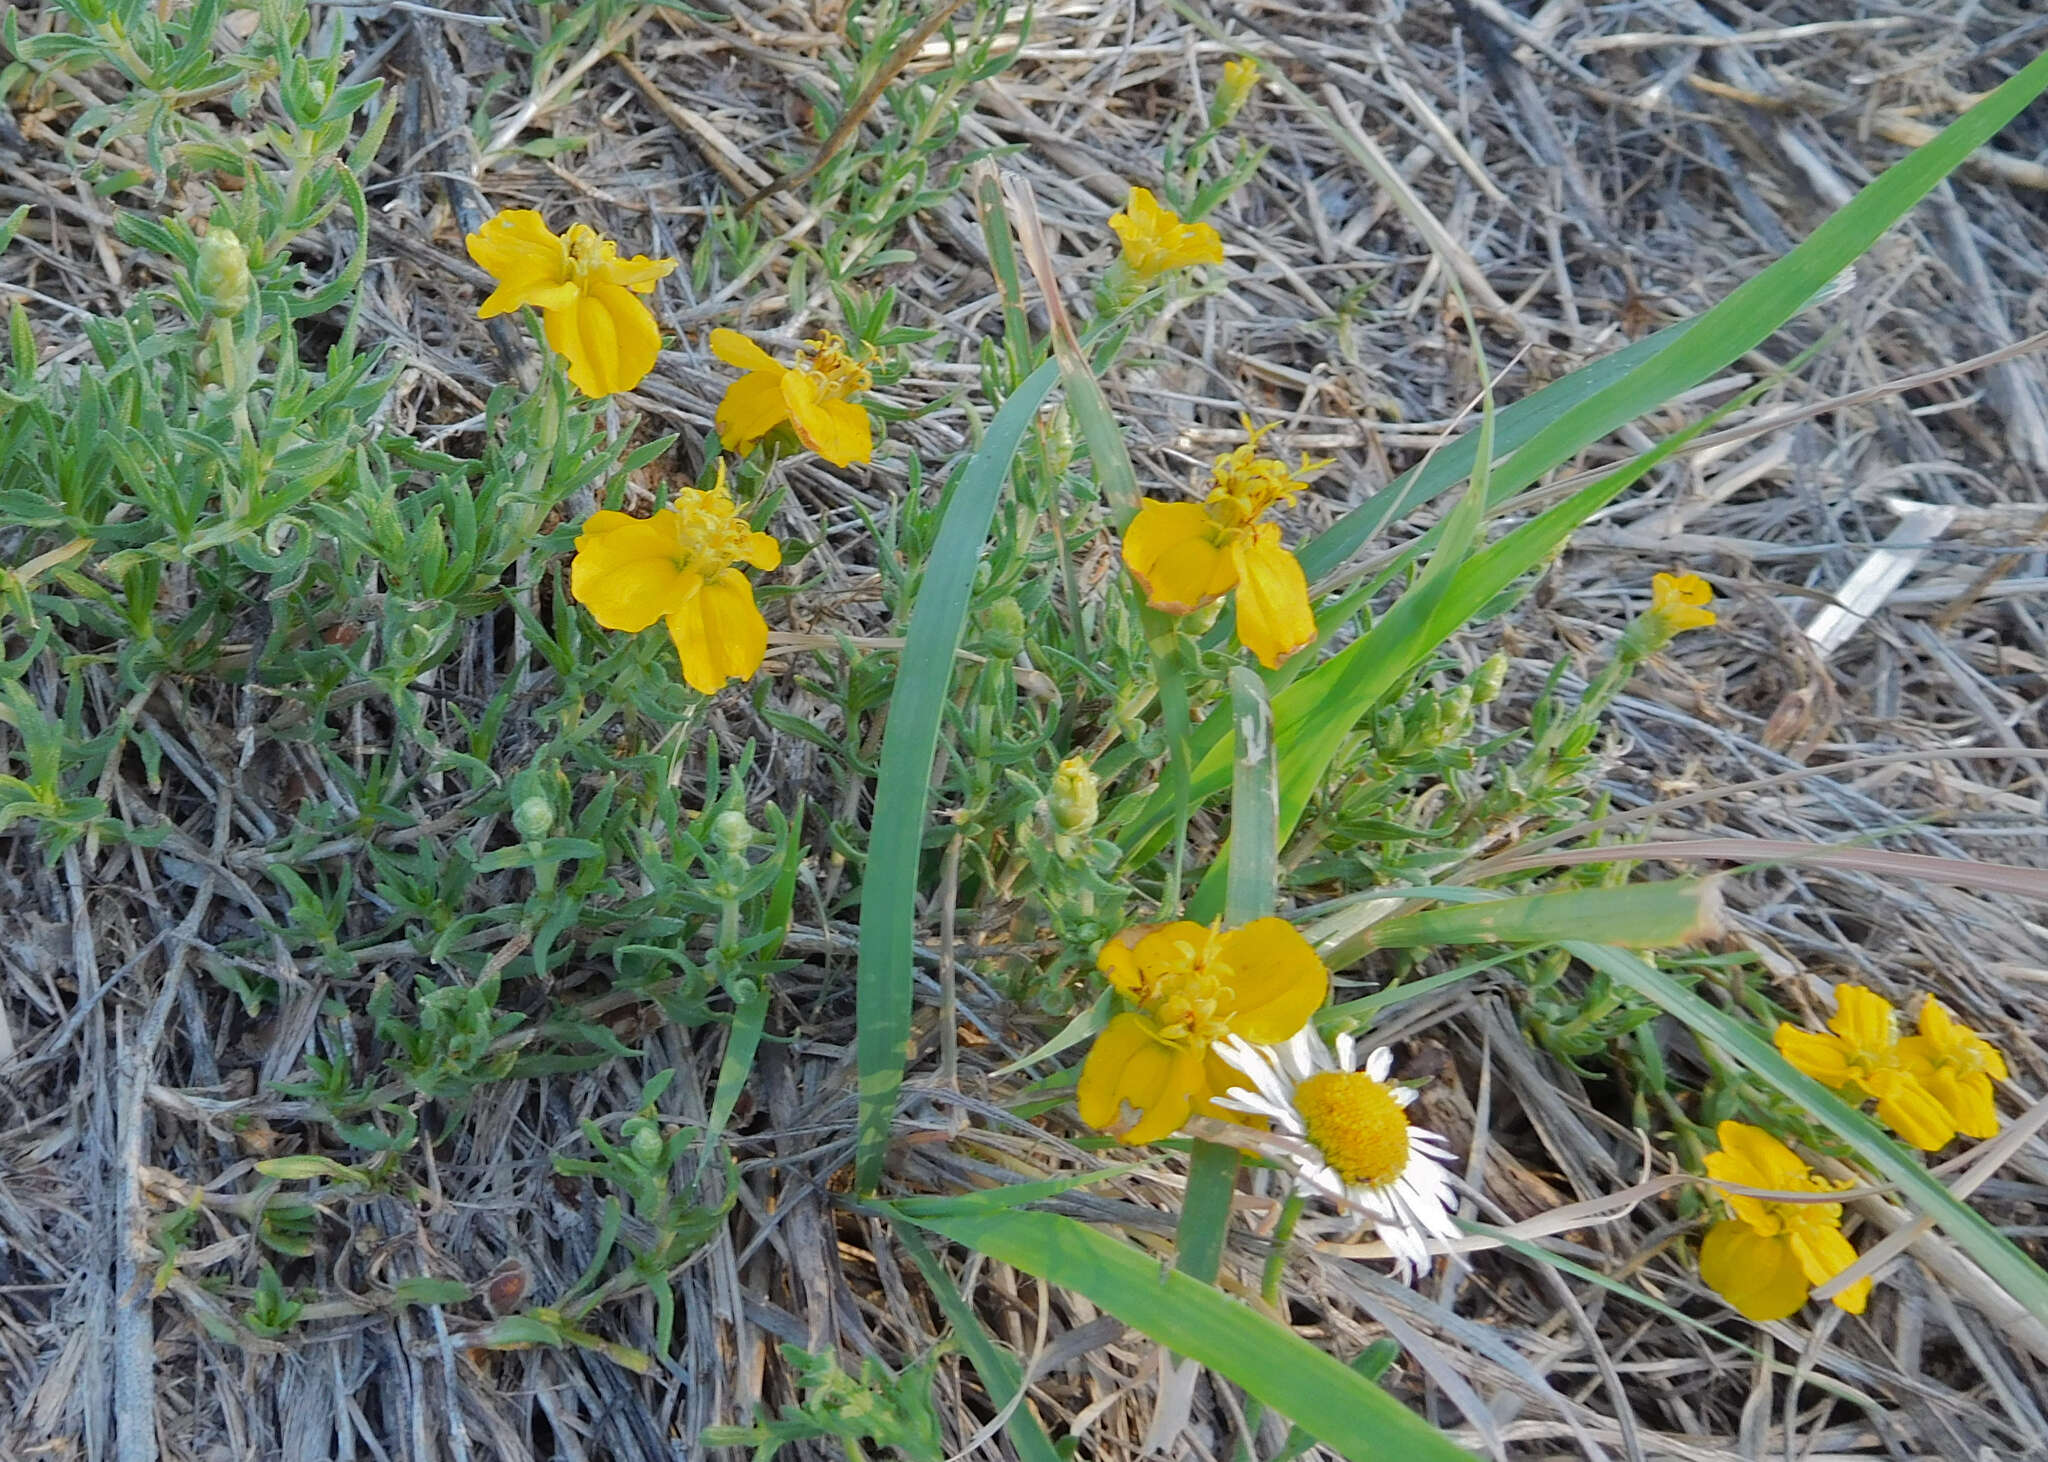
1183	991
838	374
1356	1124
588	250
710	533
1247	486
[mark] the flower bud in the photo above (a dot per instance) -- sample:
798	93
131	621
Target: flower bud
645	1141
731	830
221	278
1233	91
1487	680
533	808
1073	801
1002	628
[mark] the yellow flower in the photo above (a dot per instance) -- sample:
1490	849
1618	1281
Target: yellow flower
1680	600
1957	1067
1862	1058
587	295
1156	241
678	565
1193	984
810	396
1187	555
1767	1258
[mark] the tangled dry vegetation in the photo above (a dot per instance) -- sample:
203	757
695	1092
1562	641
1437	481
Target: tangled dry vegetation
1595	172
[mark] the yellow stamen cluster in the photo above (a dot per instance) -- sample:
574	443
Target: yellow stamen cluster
1186	989
710	533
1356	1124
1246	486
838	374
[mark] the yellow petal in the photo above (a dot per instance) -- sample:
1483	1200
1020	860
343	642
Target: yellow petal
736	350
1170	549
1905	1106
1863	1018
519	294
1773	1163
760	550
608	337
1824	1058
752	408
1159	946
838	431
625	571
1128	1066
1118	962
718	633
1273	614
1276	981
1969	1098
638	273
1823	1253
1759	1275
516	249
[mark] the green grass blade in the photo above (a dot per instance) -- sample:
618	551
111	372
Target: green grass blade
1254	880
1254	885
1000	1374
1285	1372
1996	1255
903	787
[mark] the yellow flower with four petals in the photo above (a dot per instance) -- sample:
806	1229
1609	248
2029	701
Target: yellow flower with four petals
1681	601
589	298
1957	1067
808	396
678	566
1187	555
1767	1258
1861	1058
1193	985
1156	241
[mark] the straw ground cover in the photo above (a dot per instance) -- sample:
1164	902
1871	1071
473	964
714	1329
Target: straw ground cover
444	1019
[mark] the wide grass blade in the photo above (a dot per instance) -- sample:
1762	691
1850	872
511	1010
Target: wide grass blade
888	906
1254	886
1337	1406
2008	1267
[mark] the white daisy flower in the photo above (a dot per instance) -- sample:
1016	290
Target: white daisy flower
1354	1144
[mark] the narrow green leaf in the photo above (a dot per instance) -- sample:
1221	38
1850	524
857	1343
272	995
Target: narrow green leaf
742	1041
425	1289
1340	1408
903	786
1000	1374
1994	1253
1564	418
